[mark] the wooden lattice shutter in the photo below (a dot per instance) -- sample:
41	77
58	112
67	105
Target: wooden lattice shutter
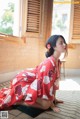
33	16
76	22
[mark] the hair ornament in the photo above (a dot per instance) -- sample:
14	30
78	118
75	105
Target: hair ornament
48	46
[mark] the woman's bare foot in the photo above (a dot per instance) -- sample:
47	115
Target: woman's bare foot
20	103
55	109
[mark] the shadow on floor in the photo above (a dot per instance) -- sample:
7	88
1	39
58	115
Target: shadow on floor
33	112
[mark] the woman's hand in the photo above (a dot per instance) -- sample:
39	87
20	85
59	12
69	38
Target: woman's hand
54	108
56	101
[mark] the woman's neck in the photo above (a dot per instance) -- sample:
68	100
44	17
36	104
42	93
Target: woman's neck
56	55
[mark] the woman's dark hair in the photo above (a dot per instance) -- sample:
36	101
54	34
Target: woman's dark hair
52	42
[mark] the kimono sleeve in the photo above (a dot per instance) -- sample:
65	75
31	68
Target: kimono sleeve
46	79
56	84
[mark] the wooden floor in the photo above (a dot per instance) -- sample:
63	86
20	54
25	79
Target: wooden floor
69	92
69	110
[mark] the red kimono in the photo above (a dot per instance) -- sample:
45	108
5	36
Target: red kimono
32	83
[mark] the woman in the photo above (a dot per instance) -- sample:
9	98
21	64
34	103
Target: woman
37	87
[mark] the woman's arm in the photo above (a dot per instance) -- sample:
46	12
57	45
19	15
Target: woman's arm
56	100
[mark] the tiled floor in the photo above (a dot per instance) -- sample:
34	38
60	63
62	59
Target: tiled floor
70	93
16	114
67	84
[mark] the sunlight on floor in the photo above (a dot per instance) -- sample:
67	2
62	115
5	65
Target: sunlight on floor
69	84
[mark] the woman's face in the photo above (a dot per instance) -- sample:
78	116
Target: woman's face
60	45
